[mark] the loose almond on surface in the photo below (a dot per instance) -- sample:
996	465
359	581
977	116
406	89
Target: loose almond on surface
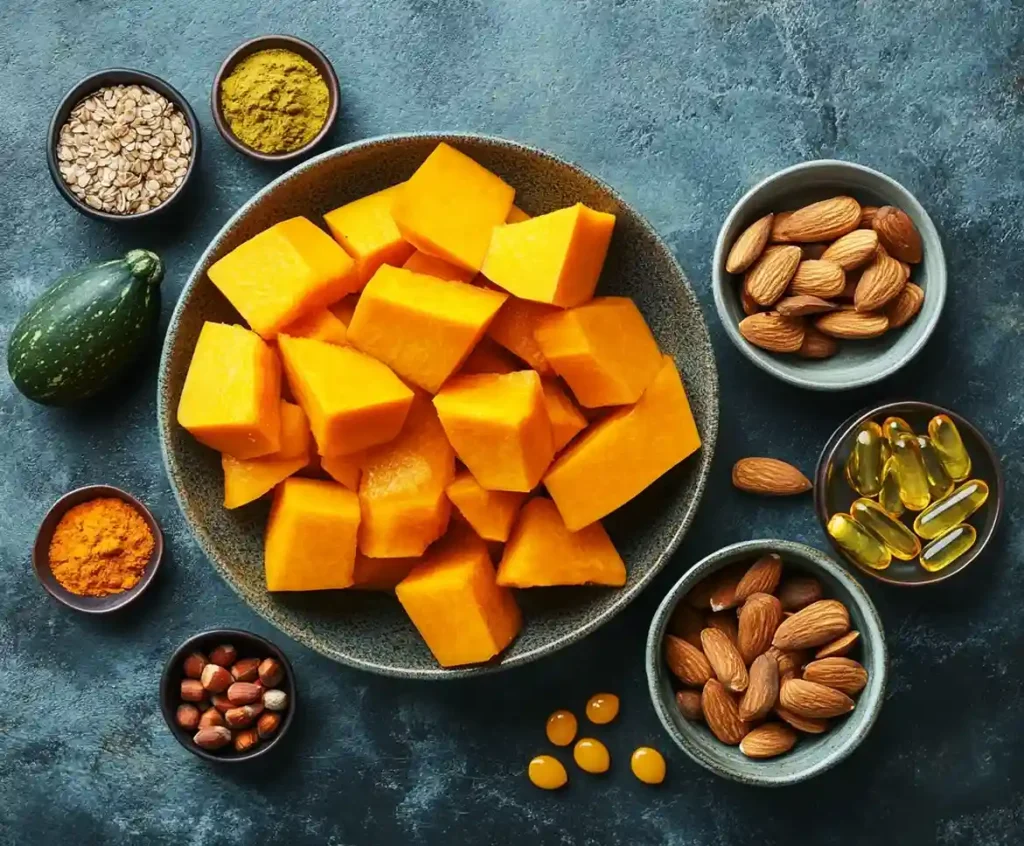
847	323
749	246
761	577
808	725
798	592
771	273
768	477
768	741
760	617
818	278
881	281
839	647
897	233
810	699
771	331
817	624
763	690
800	305
843	674
686	662
725	660
722	714
853	249
817	345
823	221
904	307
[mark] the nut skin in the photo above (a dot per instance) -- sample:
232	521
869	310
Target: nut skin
216	679
192	690
268	724
243	716
275	700
246	739
210	739
187	716
271	672
210	718
224	655
246	670
221	702
194	664
242	693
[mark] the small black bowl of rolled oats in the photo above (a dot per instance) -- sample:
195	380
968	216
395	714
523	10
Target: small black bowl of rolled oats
122	145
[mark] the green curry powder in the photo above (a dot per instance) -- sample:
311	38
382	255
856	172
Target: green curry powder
275	101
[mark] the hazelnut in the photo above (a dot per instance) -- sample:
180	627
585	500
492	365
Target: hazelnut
194	664
212	738
242	693
267	724
215	678
246	670
211	717
187	716
221	702
224	655
246	739
275	700
192	690
243	716
271	672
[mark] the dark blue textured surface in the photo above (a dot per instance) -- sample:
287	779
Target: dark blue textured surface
681	105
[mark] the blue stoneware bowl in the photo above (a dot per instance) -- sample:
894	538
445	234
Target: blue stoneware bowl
370	631
812	754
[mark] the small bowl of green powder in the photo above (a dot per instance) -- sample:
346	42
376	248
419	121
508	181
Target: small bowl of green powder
275	98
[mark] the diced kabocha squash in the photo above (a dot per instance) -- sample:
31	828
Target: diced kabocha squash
489	357
619	456
296	439
455	602
449	207
381	574
552	258
345	469
490	513
513	328
311	536
421	327
402	487
542	552
420	262
246	480
344	308
566	419
320	325
292	268
603	349
231	397
516	215
499	427
368	233
352	401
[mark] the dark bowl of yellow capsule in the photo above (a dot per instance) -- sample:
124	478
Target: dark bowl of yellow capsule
908	492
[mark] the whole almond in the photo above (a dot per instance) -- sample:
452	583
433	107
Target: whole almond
725	659
216	679
800	305
726	622
245	670
722	714
818	278
242	693
815	625
748	303
244	715
796	592
760	616
810	699
789	660
768	477
867	216
724	594
843	674
768	741
762	691
749	246
853	249
847	323
686	662
817	345
761	577
770	331
823	221
688	702
686	623
904	307
771	273
881	281
212	737
839	647
897	233
808	725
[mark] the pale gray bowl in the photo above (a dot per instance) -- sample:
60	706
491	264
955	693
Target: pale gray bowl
857	363
813	754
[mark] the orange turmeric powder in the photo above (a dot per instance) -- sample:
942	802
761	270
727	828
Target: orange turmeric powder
100	547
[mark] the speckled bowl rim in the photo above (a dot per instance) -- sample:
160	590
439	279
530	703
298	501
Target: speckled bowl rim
923	328
625	596
869	703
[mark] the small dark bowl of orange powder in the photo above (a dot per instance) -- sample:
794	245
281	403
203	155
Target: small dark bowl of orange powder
97	549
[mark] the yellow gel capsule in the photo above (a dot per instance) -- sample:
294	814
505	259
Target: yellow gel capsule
602	708
893	427
864	464
547	772
857	542
950	447
648	765
946	548
946	513
561	728
889	495
899	540
913	477
591	755
939	483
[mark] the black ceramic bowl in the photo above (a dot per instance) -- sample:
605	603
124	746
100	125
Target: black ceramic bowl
249	645
102	79
833	494
41	552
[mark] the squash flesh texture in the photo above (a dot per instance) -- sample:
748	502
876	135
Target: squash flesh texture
231	397
247	480
421	327
625	452
319	325
381	574
454	601
296	438
420	262
488	357
352	401
543	552
311	536
367	232
566	420
344	469
292	268
449	207
604	350
553	258
491	514
498	425
513	328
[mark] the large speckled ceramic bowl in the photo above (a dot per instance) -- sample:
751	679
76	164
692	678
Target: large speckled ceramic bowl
370	631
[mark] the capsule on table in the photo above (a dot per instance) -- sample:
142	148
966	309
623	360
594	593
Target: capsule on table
864	464
898	539
956	508
893	427
947	547
939	482
950	447
913	477
857	542
889	495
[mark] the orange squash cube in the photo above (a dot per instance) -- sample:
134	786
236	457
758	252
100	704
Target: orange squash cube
543	552
488	357
604	350
246	480
499	427
352	401
420	262
367	231
516	215
552	258
421	327
490	513
381	574
513	328
619	456
344	469
292	268
231	399
320	325
311	536
566	419
454	601
296	439
449	207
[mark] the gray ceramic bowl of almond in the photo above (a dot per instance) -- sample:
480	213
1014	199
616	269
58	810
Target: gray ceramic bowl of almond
812	754
860	362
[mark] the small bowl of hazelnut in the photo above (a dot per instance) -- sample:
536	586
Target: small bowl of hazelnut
228	695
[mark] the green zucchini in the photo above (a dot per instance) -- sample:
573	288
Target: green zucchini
86	329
